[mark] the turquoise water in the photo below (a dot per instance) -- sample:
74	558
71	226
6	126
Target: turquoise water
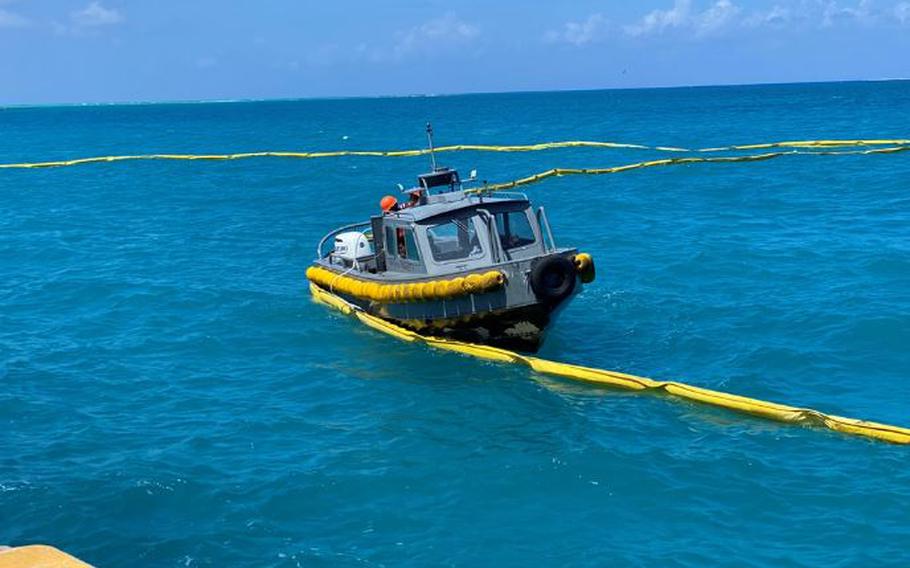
171	396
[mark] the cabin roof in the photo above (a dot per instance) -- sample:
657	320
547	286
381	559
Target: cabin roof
440	177
452	206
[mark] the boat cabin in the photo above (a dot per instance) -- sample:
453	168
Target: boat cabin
447	230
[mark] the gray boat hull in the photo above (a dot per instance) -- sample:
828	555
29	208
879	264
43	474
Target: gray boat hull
512	317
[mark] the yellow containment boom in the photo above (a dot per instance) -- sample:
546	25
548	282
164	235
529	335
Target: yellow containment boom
559	172
755	407
793	144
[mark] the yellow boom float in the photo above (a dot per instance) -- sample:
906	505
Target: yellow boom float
406	292
769	410
898	144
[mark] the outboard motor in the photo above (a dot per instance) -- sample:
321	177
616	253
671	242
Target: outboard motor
352	248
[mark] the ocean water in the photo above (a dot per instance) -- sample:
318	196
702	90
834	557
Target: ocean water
170	395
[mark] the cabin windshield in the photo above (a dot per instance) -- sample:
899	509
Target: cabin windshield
454	239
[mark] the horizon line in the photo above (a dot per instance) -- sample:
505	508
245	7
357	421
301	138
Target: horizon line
4	106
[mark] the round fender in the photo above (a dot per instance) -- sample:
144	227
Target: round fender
553	279
584	264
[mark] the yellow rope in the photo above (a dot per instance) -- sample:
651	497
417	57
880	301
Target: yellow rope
804	144
755	407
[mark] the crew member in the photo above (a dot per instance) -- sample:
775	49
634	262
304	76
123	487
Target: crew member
414	200
388	204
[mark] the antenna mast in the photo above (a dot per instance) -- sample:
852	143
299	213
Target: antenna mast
432	150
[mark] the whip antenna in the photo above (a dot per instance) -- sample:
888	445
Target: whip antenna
432	150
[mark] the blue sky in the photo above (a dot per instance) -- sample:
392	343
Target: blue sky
122	50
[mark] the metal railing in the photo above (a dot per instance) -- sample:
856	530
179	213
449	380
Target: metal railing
544	223
319	252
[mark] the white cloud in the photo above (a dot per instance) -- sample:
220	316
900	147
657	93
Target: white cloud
833	13
718	16
96	15
442	32
88	20
723	15
578	33
776	17
902	12
815	14
10	19
657	21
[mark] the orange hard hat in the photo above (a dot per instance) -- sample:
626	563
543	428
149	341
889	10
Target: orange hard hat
387	203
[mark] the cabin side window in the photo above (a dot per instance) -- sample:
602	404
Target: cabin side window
455	239
514	229
400	243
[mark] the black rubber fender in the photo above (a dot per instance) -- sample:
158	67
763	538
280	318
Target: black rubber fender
553	279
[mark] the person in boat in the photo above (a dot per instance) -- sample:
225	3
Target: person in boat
389	204
402	245
414	199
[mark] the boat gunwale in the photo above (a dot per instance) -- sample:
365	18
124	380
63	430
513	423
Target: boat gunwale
408	277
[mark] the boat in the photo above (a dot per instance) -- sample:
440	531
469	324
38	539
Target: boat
453	259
